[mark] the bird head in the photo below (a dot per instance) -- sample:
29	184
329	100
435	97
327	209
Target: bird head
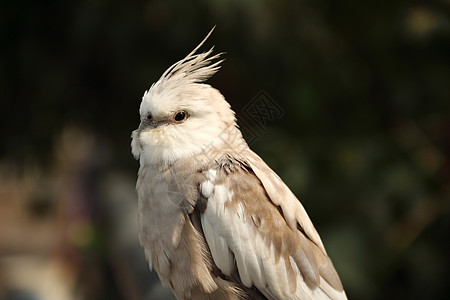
181	116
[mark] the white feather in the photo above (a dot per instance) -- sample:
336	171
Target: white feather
211	175
207	188
233	232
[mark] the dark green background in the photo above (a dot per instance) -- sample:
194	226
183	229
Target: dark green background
365	87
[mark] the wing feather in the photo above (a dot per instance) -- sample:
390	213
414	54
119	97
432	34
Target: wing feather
282	196
220	252
257	229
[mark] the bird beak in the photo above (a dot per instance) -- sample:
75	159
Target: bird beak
136	147
141	127
145	124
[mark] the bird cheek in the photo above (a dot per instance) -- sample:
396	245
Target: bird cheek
149	137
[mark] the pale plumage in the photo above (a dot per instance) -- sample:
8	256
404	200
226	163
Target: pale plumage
215	221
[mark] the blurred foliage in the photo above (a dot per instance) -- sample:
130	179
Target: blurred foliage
365	86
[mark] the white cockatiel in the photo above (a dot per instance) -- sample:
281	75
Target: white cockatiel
215	221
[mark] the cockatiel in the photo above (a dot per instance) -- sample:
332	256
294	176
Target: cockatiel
215	221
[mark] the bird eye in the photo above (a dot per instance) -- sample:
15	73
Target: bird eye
149	117
180	116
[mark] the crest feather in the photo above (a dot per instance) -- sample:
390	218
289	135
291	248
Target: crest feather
194	68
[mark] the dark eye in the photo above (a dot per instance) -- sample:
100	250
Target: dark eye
149	117
180	116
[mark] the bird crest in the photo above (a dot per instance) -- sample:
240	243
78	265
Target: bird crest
194	68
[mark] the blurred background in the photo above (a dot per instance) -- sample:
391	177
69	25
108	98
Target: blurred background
363	141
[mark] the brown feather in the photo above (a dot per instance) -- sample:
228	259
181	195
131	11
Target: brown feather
270	222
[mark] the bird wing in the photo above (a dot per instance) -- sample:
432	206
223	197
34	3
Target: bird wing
258	231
